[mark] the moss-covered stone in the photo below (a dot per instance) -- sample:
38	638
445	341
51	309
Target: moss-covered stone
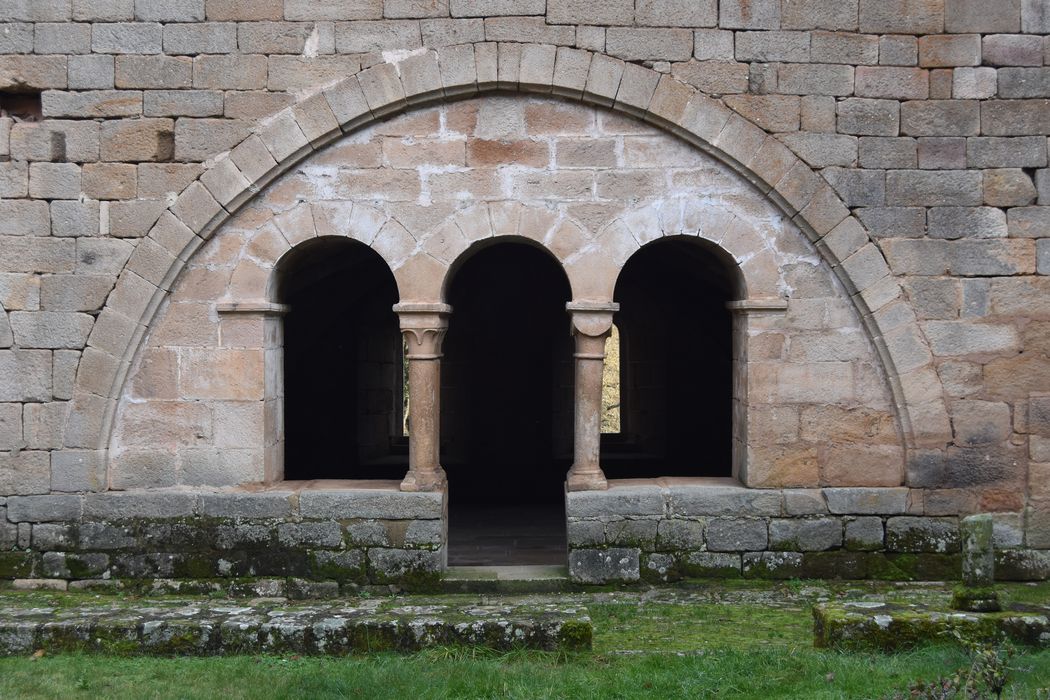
985	599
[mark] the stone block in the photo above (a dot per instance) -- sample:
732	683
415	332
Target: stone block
229	72
183	103
17	38
804	502
857	188
1035	17
805	534
934	188
311	10
327	535
169	10
895	83
530	30
888	153
127	38
115	505
109	181
25	472
966	222
62	37
816	79
441	33
1028	222
604	565
996	152
24	218
977	423
791	47
953	338
153	72
43	509
631	533
201	139
721	77
961	16
866	501
689	501
95	104
247	506
1015	117
819	14
19	72
749	14
385	505
941	118
387	35
273	37
55	140
901	16
974	83
928	535
50	329
865	117
397	565
713	45
54	180
823	150
594	12
137	140
1043	256
200	38
645	44
737	534
77	470
940	51
616	501
585	533
678	535
1018	83
864	533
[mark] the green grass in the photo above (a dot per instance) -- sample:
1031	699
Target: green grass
707	648
718	672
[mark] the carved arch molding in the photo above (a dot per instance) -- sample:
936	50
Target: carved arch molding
452	73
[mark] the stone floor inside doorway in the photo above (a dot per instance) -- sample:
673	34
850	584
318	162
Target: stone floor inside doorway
507	535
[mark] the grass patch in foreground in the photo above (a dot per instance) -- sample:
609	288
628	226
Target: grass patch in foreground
463	673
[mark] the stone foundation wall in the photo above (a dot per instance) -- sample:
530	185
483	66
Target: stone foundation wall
351	537
669	531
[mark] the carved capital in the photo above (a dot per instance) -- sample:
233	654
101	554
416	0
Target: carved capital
594	319
424	327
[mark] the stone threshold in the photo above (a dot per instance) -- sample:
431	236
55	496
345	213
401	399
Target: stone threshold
507	579
270	626
888	626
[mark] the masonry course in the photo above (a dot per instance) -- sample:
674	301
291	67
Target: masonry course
926	121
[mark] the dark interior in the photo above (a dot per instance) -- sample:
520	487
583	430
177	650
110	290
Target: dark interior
676	362
342	364
507	408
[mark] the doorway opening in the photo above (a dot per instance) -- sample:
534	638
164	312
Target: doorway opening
342	364
676	363
507	407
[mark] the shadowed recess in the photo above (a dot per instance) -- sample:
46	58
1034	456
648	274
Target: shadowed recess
342	364
676	364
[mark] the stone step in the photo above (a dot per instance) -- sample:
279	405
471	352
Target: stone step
507	579
882	626
275	627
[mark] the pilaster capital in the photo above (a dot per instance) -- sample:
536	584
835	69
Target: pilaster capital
424	327
590	318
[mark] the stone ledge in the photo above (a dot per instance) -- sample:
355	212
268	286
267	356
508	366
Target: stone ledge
874	626
334	629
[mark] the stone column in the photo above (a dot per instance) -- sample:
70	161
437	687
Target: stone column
424	327
591	325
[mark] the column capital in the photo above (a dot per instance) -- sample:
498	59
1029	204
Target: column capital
424	327
592	318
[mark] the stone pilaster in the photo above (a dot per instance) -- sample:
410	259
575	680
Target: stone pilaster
591	325
424	327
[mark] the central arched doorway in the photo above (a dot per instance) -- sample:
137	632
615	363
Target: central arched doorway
507	407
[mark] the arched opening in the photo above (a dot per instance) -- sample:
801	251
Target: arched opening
507	407
676	363
342	364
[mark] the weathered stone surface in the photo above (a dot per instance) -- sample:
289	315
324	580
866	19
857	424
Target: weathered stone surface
805	534
604	565
618	500
737	534
392	505
866	501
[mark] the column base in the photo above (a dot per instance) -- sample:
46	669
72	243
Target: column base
586	482
425	481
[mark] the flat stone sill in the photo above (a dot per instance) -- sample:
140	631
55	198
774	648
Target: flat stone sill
269	626
323	485
886	626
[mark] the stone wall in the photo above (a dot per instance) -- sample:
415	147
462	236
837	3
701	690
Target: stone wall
346	537
903	141
680	528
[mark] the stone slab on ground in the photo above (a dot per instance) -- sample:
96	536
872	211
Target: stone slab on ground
203	628
888	626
